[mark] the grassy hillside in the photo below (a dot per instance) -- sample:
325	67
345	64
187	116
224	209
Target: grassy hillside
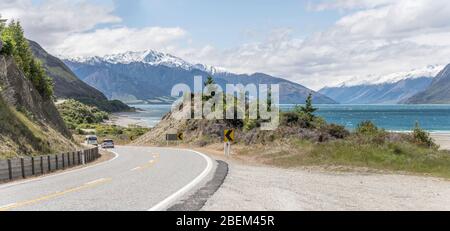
21	136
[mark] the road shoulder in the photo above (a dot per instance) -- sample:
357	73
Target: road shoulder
197	200
254	187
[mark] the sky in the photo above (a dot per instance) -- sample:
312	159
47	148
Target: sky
312	42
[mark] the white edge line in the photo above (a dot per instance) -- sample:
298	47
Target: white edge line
8	205
163	205
135	169
116	155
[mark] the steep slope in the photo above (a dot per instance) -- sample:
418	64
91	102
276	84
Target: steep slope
385	93
28	124
135	76
437	93
66	84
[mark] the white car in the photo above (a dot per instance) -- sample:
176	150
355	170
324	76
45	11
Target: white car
108	144
91	140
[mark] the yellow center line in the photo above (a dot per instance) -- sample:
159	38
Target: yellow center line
54	195
147	165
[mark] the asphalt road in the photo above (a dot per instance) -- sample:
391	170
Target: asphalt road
137	179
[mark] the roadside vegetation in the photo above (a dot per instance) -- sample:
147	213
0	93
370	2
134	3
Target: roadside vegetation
304	139
84	120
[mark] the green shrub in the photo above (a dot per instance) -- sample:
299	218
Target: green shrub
75	114
367	128
422	137
250	124
289	118
8	46
336	131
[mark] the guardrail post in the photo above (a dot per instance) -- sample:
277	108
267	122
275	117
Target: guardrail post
57	164
22	165
49	164
79	157
68	159
33	172
42	165
10	169
63	161
83	157
73	159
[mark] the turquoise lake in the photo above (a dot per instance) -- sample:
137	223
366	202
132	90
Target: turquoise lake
434	118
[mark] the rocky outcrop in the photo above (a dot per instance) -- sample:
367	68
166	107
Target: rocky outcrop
20	93
29	125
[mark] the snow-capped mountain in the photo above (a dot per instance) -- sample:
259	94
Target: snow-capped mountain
383	89
148	75
429	71
149	57
437	93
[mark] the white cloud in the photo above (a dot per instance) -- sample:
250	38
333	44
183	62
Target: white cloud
69	28
52	20
347	4
372	37
117	40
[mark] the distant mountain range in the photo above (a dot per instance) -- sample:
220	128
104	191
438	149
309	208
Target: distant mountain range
437	93
150	75
68	86
386	89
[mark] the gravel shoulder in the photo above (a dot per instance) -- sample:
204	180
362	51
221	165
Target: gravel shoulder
261	188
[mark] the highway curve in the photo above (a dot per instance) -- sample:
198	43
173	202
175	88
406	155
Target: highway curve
137	179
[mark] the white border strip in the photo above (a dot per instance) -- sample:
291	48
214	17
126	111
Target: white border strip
7	185
163	205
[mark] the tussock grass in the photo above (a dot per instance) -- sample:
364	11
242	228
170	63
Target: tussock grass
19	134
353	152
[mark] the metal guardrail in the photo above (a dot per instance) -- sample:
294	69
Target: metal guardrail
21	168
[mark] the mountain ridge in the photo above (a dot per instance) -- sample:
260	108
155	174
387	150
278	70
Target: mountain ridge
385	93
66	83
138	76
437	93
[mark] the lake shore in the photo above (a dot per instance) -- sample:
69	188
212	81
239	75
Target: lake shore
443	139
127	120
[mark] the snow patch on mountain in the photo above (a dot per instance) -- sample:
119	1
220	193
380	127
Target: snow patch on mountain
428	71
149	57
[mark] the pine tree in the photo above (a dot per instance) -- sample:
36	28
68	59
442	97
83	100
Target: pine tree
17	45
308	110
210	84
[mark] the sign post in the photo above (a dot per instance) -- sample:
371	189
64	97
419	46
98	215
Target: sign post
228	138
